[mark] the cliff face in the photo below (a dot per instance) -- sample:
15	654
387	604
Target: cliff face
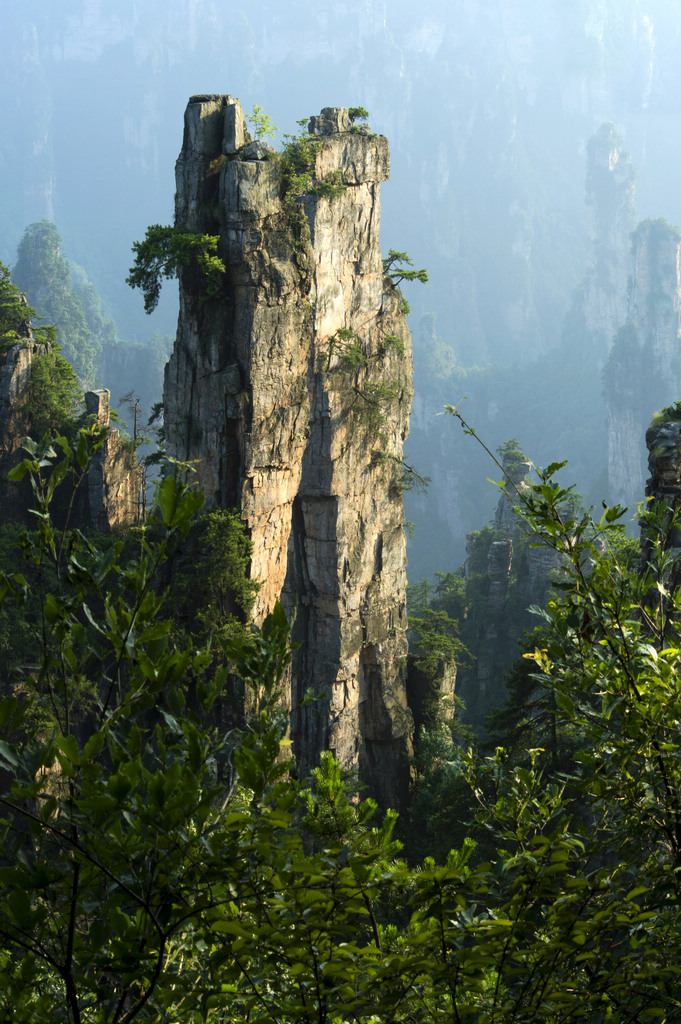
15	374
643	373
301	426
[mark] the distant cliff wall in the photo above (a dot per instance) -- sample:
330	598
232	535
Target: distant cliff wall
506	572
610	200
302	427
643	373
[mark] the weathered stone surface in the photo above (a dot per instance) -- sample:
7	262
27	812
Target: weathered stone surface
317	481
330	121
113	492
257	150
362	160
249	191
235	134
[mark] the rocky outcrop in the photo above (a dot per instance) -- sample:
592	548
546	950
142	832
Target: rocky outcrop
643	373
293	389
663	440
111	495
15	374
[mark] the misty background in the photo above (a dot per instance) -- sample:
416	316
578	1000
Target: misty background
528	139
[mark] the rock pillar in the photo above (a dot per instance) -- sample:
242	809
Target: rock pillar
292	386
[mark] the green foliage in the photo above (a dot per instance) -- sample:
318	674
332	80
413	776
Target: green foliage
347	360
55	398
435	638
298	160
582	887
165	252
334	185
16	636
155	868
410	479
400	273
511	453
669	413
358	114
528	719
212	594
16	315
44	274
392	341
442	807
434	633
397	266
109	815
151	865
262	124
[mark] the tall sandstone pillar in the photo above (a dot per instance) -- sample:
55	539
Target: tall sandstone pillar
299	427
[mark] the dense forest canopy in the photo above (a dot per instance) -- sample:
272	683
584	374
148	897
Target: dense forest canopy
154	867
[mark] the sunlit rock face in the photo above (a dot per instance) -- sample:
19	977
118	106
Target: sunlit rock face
300	428
112	496
643	373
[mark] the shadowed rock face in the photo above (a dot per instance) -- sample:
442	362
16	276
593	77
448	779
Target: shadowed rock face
303	434
663	441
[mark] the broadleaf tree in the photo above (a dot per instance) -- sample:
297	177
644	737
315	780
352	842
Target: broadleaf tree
154	870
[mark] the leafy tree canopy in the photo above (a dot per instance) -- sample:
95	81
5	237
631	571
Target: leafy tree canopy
55	397
155	868
164	252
